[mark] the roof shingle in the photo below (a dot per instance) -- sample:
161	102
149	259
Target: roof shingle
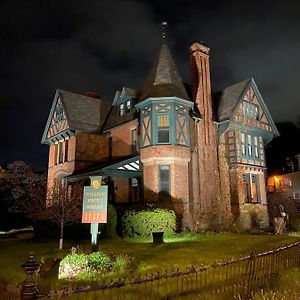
164	79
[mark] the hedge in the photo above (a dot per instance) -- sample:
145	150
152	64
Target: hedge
143	223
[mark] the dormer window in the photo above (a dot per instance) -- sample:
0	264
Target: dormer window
128	105
122	109
125	107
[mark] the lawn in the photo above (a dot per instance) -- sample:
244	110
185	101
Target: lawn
178	252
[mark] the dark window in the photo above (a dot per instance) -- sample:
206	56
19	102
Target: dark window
247	187
66	150
133	140
55	154
61	152
251	188
164	179
163	128
110	147
254	188
134	191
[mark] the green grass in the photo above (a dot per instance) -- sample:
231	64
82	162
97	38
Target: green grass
288	287
178	252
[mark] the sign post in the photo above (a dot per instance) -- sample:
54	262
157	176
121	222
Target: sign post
94	208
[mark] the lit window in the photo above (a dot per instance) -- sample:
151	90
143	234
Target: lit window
243	146
164	179
125	107
122	109
163	128
249	145
128	105
250	110
256	146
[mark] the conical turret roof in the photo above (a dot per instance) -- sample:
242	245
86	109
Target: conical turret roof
164	79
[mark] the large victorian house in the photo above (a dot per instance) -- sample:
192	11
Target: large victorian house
182	147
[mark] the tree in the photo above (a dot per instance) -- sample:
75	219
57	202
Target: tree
5	201
61	205
17	181
23	181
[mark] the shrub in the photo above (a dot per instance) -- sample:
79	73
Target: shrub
91	266
72	265
99	261
143	223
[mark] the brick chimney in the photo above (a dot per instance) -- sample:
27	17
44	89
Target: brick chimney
205	133
201	86
92	95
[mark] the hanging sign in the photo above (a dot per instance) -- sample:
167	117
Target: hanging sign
94	208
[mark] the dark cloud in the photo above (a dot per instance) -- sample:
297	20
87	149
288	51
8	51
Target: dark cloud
104	45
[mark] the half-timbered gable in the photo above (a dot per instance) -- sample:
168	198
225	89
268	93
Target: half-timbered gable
72	132
246	123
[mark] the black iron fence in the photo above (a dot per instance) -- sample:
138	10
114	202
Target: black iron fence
222	280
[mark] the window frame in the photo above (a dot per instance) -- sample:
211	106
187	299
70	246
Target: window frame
250	110
66	151
160	183
133	135
125	107
60	152
161	129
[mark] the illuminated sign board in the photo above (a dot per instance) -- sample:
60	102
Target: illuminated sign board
94	208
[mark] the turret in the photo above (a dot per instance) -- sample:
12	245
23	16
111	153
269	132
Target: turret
165	134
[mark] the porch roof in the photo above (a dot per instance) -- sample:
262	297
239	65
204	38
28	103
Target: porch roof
128	167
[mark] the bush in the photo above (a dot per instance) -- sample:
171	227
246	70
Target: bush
72	265
143	223
99	261
89	266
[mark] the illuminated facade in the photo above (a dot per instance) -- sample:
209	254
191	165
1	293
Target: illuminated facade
182	147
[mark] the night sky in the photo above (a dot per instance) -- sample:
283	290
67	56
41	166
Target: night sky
103	45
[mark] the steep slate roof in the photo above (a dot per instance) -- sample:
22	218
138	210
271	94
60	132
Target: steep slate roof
82	112
227	99
164	79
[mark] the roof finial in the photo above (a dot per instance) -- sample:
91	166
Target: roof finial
164	25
